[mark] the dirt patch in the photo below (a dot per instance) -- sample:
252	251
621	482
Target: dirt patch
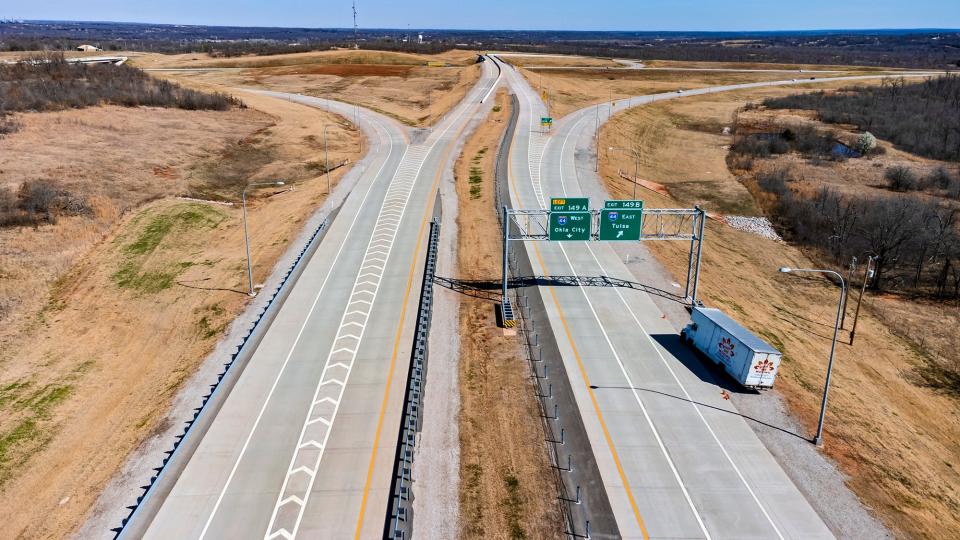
347	70
506	484
122	307
895	438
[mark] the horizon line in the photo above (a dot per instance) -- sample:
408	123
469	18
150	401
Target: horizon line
753	31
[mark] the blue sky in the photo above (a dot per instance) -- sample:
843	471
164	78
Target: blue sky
510	14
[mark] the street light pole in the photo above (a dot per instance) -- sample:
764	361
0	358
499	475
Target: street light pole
818	438
326	160
246	235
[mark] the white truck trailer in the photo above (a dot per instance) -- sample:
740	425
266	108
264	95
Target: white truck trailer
747	358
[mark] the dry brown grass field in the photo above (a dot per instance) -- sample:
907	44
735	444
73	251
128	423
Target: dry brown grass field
342	56
506	482
560	61
569	90
108	315
399	85
895	437
757	65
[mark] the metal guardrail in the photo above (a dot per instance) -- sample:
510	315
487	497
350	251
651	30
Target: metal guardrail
400	512
185	443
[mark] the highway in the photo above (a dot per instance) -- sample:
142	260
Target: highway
676	459
304	444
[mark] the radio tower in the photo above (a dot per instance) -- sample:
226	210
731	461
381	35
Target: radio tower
356	44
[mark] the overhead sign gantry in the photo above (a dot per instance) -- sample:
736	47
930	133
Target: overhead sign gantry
571	219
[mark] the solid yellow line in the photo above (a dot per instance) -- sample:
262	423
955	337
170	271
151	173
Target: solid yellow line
596	406
396	344
583	371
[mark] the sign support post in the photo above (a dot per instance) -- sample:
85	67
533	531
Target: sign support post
696	276
506	252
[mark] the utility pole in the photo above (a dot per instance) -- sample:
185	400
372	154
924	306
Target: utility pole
596	137
326	160
356	43
867	276
636	165
850	271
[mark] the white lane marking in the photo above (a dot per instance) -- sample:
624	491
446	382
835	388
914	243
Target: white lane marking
643	409
246	443
398	194
352	353
656	349
492	88
689	399
623	370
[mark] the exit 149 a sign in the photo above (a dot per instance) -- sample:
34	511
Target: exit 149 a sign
621	220
577	204
570	226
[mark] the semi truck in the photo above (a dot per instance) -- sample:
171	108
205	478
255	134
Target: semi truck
750	360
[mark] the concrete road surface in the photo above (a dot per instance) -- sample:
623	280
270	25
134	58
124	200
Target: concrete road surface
304	444
677	460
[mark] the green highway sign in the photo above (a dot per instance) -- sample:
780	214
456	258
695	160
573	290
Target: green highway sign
546	120
570	225
624	204
570	205
621	223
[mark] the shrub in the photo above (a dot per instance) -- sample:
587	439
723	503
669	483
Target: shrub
8	125
900	178
938	178
865	143
776	180
38	202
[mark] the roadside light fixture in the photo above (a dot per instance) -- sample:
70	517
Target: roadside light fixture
246	236
818	438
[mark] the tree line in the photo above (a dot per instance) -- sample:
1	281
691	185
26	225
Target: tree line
915	238
48	82
922	118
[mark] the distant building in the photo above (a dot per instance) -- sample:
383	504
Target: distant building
88	48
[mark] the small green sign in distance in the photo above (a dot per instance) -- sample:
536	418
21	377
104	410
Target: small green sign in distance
621	220
570	226
546	120
581	204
